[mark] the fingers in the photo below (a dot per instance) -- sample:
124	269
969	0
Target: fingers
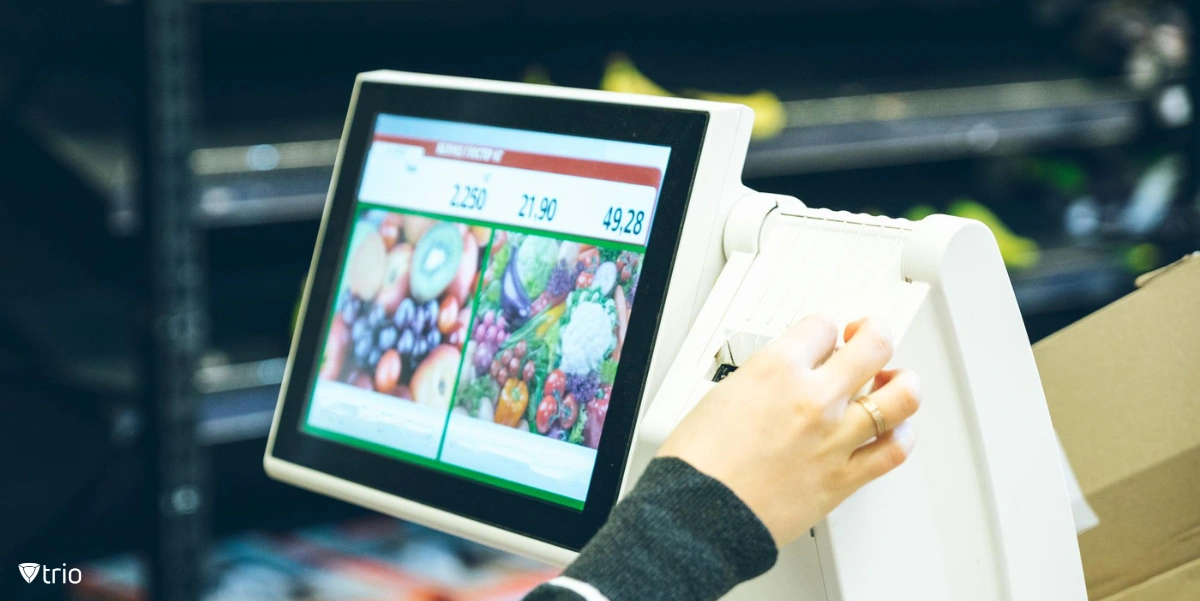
897	394
882	456
868	348
808	342
852	327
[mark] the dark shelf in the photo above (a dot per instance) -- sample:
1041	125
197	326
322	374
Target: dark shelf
237	397
937	125
238	400
276	180
1072	278
271	176
236	415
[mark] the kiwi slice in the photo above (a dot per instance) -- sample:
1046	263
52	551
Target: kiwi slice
435	261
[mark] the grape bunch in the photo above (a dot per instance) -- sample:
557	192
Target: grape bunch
412	331
488	335
416	332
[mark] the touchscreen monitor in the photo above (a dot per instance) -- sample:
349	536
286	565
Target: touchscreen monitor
484	301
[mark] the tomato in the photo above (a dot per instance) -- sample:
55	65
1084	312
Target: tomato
568	412
555	383
597	410
547	413
514	398
584	280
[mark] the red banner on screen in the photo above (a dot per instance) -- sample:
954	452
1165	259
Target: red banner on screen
614	172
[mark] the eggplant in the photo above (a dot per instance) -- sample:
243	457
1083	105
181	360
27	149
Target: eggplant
514	302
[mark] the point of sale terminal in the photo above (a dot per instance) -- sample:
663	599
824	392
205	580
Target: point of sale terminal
519	290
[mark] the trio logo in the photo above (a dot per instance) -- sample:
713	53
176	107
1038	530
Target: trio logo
29	571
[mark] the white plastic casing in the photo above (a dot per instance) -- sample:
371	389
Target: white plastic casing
980	510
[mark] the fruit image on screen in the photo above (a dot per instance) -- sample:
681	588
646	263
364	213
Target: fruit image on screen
404	306
550	325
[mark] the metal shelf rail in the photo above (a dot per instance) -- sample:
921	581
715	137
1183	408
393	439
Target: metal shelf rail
175	320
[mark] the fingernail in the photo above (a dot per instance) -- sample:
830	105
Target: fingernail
905	435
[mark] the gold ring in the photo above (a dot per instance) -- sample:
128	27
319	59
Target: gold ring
876	414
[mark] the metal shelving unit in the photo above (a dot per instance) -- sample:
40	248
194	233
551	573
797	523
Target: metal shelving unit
173	292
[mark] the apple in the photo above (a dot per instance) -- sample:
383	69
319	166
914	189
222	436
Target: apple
334	356
460	286
395	277
391	228
367	266
433	380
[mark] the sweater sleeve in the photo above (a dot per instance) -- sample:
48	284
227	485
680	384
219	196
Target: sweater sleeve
679	536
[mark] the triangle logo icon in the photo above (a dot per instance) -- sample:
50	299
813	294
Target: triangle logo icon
29	570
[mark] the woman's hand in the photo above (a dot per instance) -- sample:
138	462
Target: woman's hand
783	432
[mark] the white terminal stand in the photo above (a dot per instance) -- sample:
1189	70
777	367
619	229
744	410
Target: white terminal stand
980	511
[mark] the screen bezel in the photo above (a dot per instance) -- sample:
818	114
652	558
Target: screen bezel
682	130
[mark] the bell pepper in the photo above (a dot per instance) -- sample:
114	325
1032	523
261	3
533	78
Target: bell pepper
514	398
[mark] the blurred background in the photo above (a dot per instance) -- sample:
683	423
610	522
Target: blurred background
164	164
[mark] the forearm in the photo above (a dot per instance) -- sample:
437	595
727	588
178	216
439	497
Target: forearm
680	536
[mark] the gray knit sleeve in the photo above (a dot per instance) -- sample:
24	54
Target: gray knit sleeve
679	536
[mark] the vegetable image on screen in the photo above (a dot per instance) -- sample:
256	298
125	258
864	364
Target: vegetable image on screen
547	336
404	306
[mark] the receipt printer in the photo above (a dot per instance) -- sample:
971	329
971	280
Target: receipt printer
519	290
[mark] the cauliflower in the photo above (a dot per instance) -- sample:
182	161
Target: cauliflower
587	339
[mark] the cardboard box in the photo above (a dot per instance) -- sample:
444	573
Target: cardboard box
1123	387
1180	584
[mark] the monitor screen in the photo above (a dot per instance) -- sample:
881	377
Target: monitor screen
484	299
484	302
